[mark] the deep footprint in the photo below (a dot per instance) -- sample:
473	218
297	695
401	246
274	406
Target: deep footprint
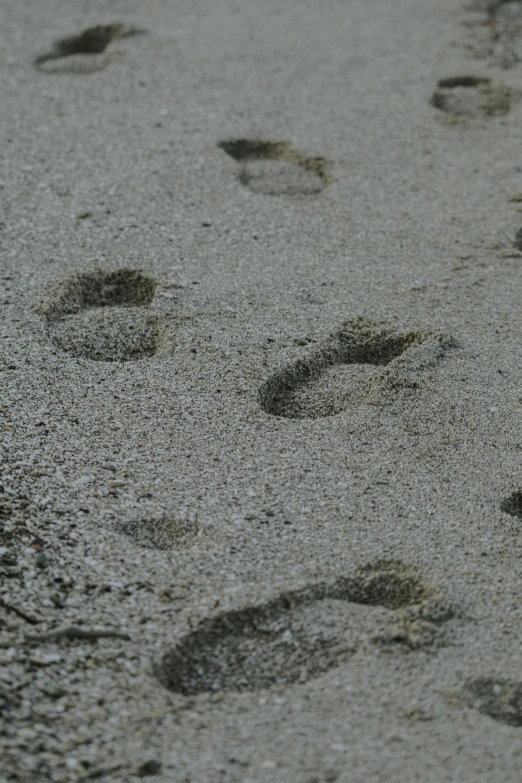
297	637
274	168
463	97
93	41
103	316
343	372
499	699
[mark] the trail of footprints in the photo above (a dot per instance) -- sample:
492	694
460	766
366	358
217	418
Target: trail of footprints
105	316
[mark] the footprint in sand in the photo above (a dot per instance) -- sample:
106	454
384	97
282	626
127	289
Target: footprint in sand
466	97
274	168
301	635
163	531
104	316
498	698
348	370
84	52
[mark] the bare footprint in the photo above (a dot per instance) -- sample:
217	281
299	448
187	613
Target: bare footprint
274	168
104	316
86	47
466	97
346	370
298	636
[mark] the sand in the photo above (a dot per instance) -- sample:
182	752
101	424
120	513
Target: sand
260	353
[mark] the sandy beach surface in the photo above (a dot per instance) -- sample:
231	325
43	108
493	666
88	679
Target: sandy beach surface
261	364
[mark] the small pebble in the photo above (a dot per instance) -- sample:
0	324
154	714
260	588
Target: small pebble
109	466
116	483
82	481
45	659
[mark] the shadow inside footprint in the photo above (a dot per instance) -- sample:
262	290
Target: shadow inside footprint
513	504
91	42
499	699
472	96
274	168
342	372
294	638
103	315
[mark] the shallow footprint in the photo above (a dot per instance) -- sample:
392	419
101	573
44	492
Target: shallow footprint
102	316
159	532
465	97
84	48
274	168
498	698
343	372
297	637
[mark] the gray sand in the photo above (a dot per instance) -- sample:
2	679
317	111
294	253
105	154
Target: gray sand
261	401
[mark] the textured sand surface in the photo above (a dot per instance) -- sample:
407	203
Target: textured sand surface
260	368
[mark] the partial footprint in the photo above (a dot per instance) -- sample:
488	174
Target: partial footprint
498	698
103	316
84	48
274	168
343	372
513	504
465	97
298	636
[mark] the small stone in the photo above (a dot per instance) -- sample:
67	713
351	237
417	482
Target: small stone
116	483
41	560
82	481
45	659
109	466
